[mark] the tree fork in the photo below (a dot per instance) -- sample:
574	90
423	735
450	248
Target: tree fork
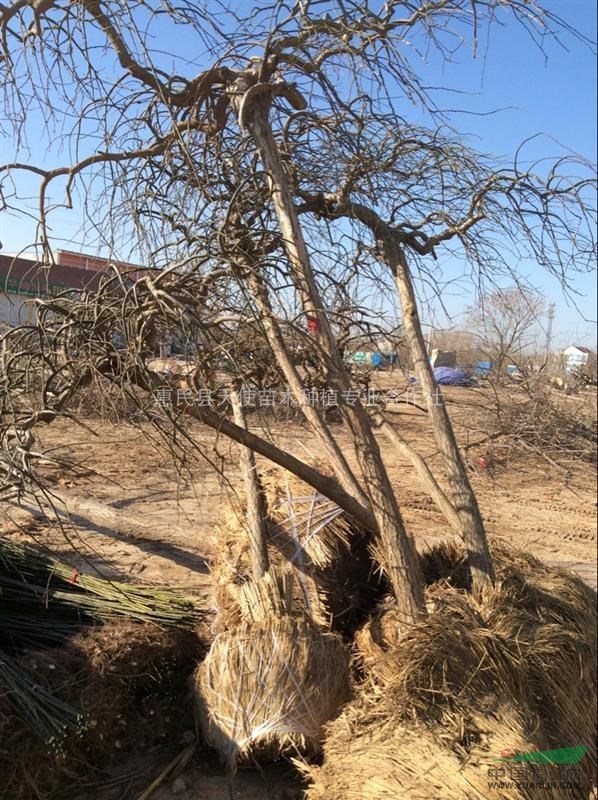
402	565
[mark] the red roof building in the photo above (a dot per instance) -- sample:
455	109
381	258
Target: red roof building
22	279
68	258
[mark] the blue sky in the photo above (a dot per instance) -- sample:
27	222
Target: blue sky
555	96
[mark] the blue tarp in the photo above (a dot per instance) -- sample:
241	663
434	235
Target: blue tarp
448	376
384	359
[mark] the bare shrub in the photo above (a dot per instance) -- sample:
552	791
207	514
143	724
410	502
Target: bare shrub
535	419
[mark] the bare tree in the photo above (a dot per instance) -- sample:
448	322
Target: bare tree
506	323
261	186
463	343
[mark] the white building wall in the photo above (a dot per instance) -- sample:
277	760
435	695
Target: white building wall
16	309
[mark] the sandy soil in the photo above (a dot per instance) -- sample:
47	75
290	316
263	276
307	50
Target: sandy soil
528	503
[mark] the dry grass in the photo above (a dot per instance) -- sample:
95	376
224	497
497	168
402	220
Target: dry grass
321	529
335	579
273	676
377	762
514	669
267	688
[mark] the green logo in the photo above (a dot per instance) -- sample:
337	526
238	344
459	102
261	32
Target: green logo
563	755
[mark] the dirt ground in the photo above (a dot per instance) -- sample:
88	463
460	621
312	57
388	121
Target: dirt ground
530	503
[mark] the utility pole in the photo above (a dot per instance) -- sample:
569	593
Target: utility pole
550	316
431	331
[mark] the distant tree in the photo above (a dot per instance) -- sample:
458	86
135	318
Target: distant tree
506	323
465	343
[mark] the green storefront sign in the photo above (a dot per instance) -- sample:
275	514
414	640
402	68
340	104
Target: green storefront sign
12	286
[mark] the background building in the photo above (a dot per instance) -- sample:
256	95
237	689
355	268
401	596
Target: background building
576	357
23	278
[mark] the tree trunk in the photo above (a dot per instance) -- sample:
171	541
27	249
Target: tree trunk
471	524
255	512
424	472
401	562
313	416
329	487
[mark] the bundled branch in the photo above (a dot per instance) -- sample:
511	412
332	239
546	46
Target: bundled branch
559	433
43	712
44	599
111	692
45	602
